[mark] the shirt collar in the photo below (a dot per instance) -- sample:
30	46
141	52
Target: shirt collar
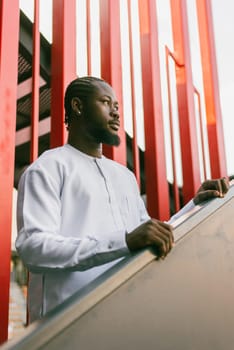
82	154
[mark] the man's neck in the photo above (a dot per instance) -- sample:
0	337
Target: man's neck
91	149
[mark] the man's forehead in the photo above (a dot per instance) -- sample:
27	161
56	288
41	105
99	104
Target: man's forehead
103	88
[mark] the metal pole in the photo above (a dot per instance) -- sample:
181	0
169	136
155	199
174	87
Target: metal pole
35	84
9	41
63	64
155	163
171	122
185	96
211	90
111	66
135	149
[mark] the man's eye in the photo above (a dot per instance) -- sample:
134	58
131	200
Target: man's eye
116	107
106	102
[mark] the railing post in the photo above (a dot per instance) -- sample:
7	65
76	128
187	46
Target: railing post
135	148
201	132
9	41
35	84
155	163
176	198
111	66
185	96
211	90
63	64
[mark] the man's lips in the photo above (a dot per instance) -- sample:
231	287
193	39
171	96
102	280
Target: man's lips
114	125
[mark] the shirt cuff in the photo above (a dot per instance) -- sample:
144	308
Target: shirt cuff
190	205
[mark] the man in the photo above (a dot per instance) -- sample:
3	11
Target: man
79	212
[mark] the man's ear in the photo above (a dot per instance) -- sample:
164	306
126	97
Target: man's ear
76	105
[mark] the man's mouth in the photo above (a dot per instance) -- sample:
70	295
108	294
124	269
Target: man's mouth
114	126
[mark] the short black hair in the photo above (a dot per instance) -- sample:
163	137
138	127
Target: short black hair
82	88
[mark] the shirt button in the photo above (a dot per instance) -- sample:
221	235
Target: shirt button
110	245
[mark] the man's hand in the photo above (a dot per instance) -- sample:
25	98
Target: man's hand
154	233
211	189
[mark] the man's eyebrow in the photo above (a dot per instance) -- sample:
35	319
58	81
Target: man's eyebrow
107	96
110	98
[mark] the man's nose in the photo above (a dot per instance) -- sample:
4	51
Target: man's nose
114	112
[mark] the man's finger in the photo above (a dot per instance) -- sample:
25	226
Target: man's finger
224	184
160	246
205	195
164	228
167	239
212	185
161	236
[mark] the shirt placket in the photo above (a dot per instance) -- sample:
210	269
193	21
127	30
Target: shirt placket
111	195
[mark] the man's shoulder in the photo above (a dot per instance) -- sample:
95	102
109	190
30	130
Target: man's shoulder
56	154
49	158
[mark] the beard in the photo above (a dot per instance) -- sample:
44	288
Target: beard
105	136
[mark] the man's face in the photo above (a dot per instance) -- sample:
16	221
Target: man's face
101	115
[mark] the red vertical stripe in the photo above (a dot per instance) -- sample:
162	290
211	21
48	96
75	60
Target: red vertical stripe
201	131
35	84
211	90
111	66
171	122
89	51
9	41
185	96
63	64
155	164
135	149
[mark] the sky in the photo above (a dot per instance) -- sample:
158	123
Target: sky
223	11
